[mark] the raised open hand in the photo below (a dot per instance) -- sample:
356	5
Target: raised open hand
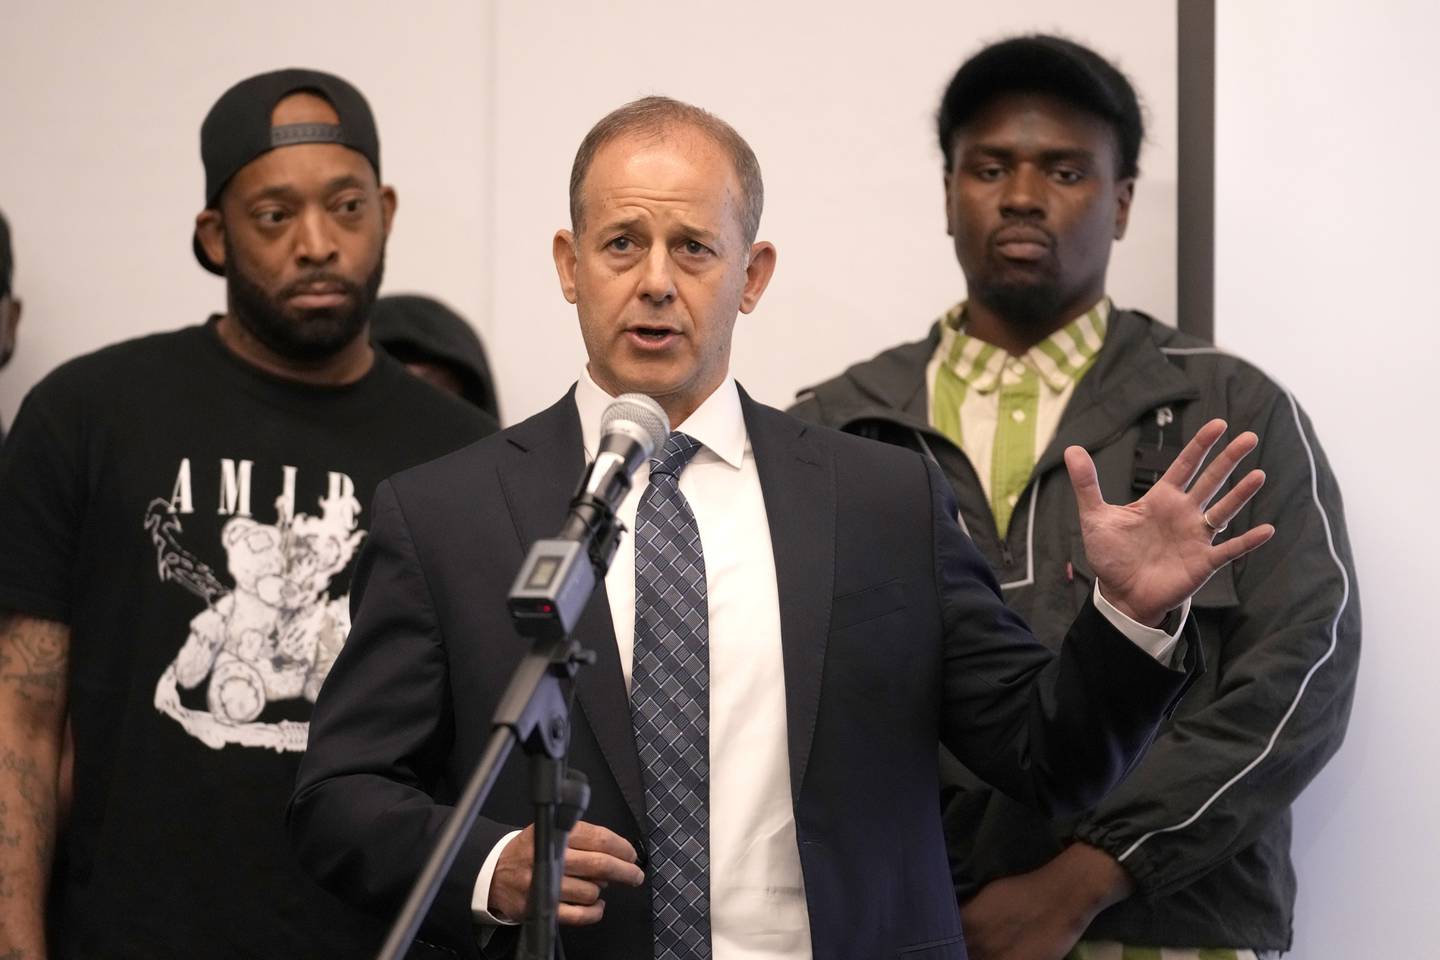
1153	554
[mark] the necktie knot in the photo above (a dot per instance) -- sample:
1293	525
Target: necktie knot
673	457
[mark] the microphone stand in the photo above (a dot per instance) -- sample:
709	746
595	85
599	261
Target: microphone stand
550	592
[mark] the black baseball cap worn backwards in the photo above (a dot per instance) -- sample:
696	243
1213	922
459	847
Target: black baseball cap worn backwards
237	129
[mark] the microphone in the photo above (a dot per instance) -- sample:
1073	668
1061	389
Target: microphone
631	430
559	574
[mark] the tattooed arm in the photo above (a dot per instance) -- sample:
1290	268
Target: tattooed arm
34	660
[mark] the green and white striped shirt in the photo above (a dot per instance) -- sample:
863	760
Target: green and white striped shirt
1003	410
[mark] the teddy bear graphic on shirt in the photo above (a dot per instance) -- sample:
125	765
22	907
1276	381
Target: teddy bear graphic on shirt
271	637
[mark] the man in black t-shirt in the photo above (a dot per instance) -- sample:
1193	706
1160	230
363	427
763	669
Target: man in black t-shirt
178	518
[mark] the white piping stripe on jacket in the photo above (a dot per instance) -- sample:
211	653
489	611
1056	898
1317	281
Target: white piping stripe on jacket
1334	623
1029	542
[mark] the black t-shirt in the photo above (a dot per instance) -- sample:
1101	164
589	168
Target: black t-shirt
195	522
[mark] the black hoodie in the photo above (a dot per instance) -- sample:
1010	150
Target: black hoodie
414	328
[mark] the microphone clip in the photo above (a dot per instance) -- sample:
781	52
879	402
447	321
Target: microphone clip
558	575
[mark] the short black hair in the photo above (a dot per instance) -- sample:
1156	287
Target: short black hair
1042	63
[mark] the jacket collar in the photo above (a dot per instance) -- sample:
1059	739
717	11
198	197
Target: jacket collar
895	379
1130	376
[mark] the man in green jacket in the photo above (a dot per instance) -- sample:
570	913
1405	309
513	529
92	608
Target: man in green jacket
1041	139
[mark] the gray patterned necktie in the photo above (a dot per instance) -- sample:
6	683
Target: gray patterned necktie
670	705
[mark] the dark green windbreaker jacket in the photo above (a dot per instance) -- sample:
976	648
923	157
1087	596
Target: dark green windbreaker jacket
1203	822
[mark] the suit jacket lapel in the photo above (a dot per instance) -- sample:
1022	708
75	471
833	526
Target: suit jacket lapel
797	480
539	482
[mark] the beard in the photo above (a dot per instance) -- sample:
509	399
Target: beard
1028	303
1029	296
304	335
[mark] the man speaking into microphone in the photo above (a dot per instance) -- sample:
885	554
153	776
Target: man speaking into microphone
793	626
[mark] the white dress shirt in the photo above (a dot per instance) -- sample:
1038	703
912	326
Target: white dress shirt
757	893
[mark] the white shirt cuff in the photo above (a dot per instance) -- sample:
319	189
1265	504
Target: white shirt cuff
480	900
1152	640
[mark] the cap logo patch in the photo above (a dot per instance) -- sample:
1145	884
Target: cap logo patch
292	133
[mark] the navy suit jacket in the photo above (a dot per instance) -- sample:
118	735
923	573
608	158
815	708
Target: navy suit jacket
895	640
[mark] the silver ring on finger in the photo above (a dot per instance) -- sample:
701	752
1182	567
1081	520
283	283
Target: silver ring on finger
1215	528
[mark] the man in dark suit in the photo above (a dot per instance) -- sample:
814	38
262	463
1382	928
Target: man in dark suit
795	625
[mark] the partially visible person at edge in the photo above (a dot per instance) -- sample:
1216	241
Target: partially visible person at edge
178	520
1040	138
437	345
9	303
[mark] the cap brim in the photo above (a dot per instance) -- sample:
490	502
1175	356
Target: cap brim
200	255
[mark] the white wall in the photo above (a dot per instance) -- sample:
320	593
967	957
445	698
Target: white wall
1326	260
838	101
481	107
100	176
